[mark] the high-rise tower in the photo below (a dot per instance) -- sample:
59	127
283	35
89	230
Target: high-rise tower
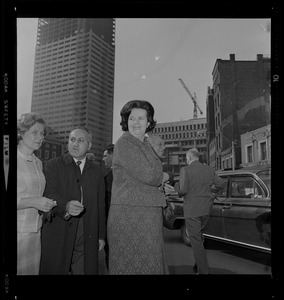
74	77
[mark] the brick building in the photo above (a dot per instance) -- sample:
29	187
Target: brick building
50	148
240	100
256	147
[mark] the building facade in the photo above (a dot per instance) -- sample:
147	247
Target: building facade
179	137
50	148
256	147
74	77
241	103
210	127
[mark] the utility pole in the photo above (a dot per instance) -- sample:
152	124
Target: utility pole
233	156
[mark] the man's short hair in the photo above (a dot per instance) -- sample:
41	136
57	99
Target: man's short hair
89	133
194	152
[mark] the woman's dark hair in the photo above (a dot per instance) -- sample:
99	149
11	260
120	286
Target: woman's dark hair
109	148
126	110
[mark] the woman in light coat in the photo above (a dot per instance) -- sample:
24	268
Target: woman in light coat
30	201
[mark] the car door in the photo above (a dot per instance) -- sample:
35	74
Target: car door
214	227
246	211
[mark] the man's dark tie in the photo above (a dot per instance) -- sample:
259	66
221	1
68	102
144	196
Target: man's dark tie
78	163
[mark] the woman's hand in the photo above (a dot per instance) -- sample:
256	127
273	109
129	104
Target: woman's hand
101	244
168	189
45	204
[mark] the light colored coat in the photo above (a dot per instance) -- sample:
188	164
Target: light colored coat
30	183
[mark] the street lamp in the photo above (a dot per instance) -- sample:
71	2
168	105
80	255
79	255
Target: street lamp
233	156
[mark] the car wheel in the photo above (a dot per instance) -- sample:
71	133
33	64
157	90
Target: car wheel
184	235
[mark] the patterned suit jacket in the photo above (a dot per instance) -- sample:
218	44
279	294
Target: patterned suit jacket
137	173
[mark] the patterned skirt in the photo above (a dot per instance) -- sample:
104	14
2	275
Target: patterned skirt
136	243
28	253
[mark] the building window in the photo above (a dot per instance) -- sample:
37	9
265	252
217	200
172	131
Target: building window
39	153
53	154
46	154
249	154
263	154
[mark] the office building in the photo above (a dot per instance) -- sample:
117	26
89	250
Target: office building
74	77
179	137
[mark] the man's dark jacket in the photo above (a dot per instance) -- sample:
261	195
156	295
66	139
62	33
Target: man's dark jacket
108	186
63	179
195	183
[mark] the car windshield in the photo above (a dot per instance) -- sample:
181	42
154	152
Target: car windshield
265	176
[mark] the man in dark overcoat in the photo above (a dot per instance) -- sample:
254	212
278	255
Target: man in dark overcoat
196	183
76	231
108	177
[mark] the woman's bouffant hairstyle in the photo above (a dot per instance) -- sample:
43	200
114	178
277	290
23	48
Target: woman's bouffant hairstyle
26	121
126	110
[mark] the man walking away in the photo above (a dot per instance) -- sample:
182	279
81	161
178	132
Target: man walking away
196	181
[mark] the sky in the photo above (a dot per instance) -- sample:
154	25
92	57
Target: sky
152	54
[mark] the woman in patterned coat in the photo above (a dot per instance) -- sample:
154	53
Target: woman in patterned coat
30	200
135	223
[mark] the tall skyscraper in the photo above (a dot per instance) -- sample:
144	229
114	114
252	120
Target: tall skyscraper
74	77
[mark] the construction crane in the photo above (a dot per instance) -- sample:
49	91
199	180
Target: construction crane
193	99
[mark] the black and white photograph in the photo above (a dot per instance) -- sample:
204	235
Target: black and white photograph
143	145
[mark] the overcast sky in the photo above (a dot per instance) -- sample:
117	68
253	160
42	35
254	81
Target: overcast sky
152	54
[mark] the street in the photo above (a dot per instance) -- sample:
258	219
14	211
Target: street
222	258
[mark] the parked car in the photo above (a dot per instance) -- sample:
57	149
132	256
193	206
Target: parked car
241	211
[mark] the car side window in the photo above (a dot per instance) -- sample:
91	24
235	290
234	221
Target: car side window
223	192
245	187
265	175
